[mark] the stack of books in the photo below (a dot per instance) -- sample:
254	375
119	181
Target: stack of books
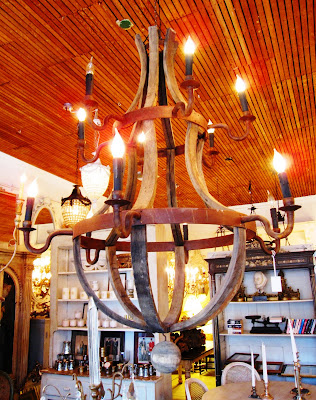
303	326
235	327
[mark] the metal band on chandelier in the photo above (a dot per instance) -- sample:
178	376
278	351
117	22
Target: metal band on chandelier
131	214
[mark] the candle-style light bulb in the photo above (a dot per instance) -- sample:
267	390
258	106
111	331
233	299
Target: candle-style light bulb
141	137
22	182
89	77
118	150
279	164
31	194
210	130
241	90
81	115
189	49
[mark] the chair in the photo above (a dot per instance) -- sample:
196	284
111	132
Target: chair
194	389
6	386
238	372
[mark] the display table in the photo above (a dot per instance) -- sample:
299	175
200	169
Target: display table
240	391
186	362
146	388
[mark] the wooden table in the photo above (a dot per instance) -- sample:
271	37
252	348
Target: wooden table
280	390
186	362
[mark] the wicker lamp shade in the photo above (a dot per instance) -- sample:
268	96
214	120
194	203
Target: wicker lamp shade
74	208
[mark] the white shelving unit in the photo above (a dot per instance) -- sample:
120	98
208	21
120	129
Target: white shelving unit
297	268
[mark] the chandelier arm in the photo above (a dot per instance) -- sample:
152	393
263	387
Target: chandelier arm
27	229
247	118
169	53
86	287
118	288
81	145
142	279
178	290
123	230
191	160
267	226
95	259
265	248
228	288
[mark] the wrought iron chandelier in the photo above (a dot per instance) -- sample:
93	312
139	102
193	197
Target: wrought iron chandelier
129	215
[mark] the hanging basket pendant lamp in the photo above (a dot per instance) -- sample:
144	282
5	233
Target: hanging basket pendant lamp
75	207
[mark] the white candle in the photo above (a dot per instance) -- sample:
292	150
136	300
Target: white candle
94	344
294	349
264	364
253	379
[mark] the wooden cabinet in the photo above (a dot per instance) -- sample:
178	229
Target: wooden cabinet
298	270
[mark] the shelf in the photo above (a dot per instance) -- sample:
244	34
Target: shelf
94	271
271	302
86	300
247	333
84	328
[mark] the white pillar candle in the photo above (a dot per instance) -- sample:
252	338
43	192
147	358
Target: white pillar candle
253	379
294	349
93	343
264	364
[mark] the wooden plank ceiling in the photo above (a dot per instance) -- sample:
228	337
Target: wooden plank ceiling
46	44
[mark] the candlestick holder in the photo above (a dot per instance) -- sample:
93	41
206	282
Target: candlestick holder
254	394
299	391
97	391
266	395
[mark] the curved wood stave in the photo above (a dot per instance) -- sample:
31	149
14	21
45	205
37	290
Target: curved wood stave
228	289
191	160
142	280
118	288
170	49
147	191
178	291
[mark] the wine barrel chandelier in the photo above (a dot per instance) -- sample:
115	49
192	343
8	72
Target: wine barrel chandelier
128	215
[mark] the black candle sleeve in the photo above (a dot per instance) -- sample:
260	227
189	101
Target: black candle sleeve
211	139
29	208
117	173
243	101
185	232
274	217
285	187
89	84
81	130
188	64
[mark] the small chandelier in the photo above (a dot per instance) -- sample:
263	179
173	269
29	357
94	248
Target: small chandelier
74	208
41	276
95	179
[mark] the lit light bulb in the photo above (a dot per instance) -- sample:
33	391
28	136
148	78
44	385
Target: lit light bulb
189	46
117	145
279	162
33	189
210	130
240	85
90	67
81	114
141	137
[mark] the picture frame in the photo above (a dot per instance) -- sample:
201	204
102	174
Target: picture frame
114	344
307	371
273	367
79	344
143	346
241	357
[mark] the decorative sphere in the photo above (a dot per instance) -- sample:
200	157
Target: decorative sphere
166	357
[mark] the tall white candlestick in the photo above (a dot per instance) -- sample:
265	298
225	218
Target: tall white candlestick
94	344
253	379
264	364
294	348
